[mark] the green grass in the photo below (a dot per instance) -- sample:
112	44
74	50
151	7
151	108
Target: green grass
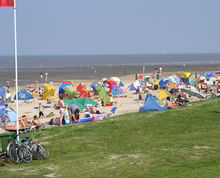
177	143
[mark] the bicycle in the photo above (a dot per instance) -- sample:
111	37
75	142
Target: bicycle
38	151
18	152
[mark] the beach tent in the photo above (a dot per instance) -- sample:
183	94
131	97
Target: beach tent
189	81
209	74
2	93
102	91
164	81
70	91
82	89
2	111
111	84
94	85
24	95
187	74
115	90
82	103
67	82
146	79
116	79
61	89
174	79
121	91
134	86
121	84
11	114
7	114
152	104
49	91
163	94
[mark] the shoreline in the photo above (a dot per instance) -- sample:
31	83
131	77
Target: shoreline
27	76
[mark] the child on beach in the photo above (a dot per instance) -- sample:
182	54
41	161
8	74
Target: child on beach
62	108
41	110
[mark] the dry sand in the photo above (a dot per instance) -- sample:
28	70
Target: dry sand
124	104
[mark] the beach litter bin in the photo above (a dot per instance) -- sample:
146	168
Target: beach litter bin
4	140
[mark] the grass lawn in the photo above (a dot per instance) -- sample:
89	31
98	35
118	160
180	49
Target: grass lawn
182	142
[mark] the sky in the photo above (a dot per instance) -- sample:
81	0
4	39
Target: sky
93	27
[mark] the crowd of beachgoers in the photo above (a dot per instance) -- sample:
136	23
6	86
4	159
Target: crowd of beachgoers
71	102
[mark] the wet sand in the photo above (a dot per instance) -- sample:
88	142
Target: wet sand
28	76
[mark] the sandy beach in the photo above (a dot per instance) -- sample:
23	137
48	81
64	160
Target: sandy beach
124	104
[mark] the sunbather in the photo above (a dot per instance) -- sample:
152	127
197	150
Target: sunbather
169	104
182	99
36	121
24	123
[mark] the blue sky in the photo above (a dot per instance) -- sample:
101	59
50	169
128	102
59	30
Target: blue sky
111	27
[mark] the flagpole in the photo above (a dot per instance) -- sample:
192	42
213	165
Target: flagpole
16	69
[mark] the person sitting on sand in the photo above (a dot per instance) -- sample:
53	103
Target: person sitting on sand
36	121
181	98
169	104
95	111
49	101
73	112
24	123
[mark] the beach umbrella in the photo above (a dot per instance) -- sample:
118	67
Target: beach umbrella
82	103
61	89
70	91
71	101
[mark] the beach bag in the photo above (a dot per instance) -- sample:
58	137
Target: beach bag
66	117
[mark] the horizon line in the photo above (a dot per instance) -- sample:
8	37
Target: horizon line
122	54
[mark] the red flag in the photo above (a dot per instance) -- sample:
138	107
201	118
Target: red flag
7	3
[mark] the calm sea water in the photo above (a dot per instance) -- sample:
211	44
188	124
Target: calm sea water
100	60
99	66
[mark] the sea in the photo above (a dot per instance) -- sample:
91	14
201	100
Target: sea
94	67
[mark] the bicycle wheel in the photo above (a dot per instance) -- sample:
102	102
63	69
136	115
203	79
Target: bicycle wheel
25	153
42	151
35	151
12	153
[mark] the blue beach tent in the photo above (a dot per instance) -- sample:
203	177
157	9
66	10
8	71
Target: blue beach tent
24	95
151	103
11	114
2	111
61	90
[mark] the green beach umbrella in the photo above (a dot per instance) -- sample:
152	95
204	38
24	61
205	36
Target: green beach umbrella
82	103
71	91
